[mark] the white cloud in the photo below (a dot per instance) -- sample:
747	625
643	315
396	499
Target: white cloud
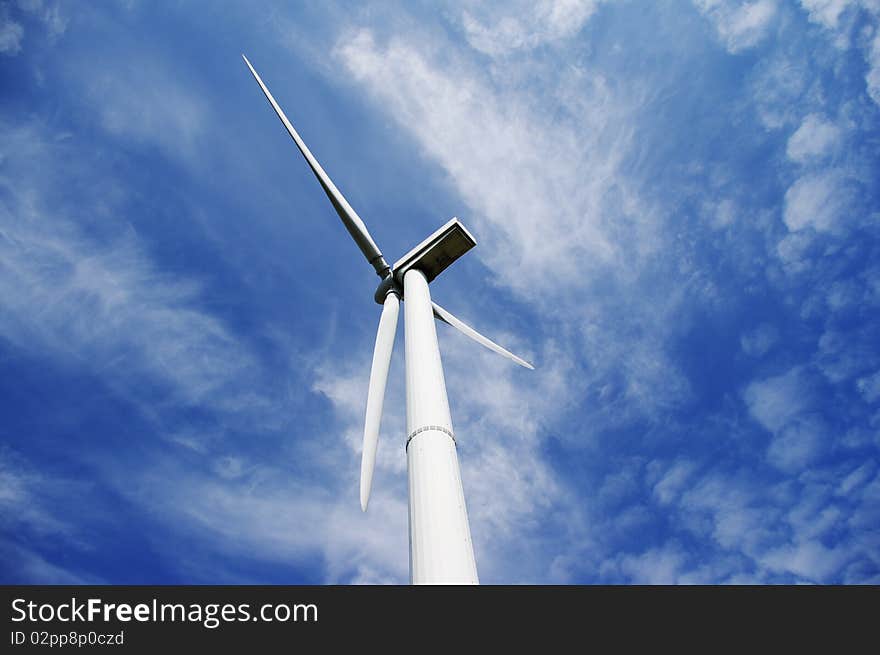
843	294
274	515
345	385
25	500
28	567
760	340
730	509
11	34
869	387
845	354
821	201
656	566
796	445
774	531
827	12
856	478
723	213
526	25
780	87
776	400
48	13
794	251
811	560
143	99
510	165
673	481
102	302
815	138
872	78
35	512
816	516
741	25
739	527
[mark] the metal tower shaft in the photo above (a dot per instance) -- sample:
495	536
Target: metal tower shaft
441	551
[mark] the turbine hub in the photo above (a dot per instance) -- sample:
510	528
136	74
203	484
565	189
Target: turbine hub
386	286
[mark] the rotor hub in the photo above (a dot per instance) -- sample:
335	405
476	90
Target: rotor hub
386	286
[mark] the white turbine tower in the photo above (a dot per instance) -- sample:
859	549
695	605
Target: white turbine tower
440	547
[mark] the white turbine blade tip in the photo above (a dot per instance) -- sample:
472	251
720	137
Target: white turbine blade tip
459	325
349	216
368	462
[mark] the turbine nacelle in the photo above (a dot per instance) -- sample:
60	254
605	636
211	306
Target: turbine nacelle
432	256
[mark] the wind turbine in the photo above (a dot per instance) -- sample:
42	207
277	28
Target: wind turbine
440	547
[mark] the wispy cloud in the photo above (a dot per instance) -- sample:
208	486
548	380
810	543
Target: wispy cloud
270	515
34	514
511	168
775	400
12	16
839	19
819	200
827	12
815	138
141	98
490	142
500	31
872	78
760	340
103	301
11	33
740	25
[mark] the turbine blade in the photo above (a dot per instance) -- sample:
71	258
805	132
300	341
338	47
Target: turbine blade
350	219
376	393
446	317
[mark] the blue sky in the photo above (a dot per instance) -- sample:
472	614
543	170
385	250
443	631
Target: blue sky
676	207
